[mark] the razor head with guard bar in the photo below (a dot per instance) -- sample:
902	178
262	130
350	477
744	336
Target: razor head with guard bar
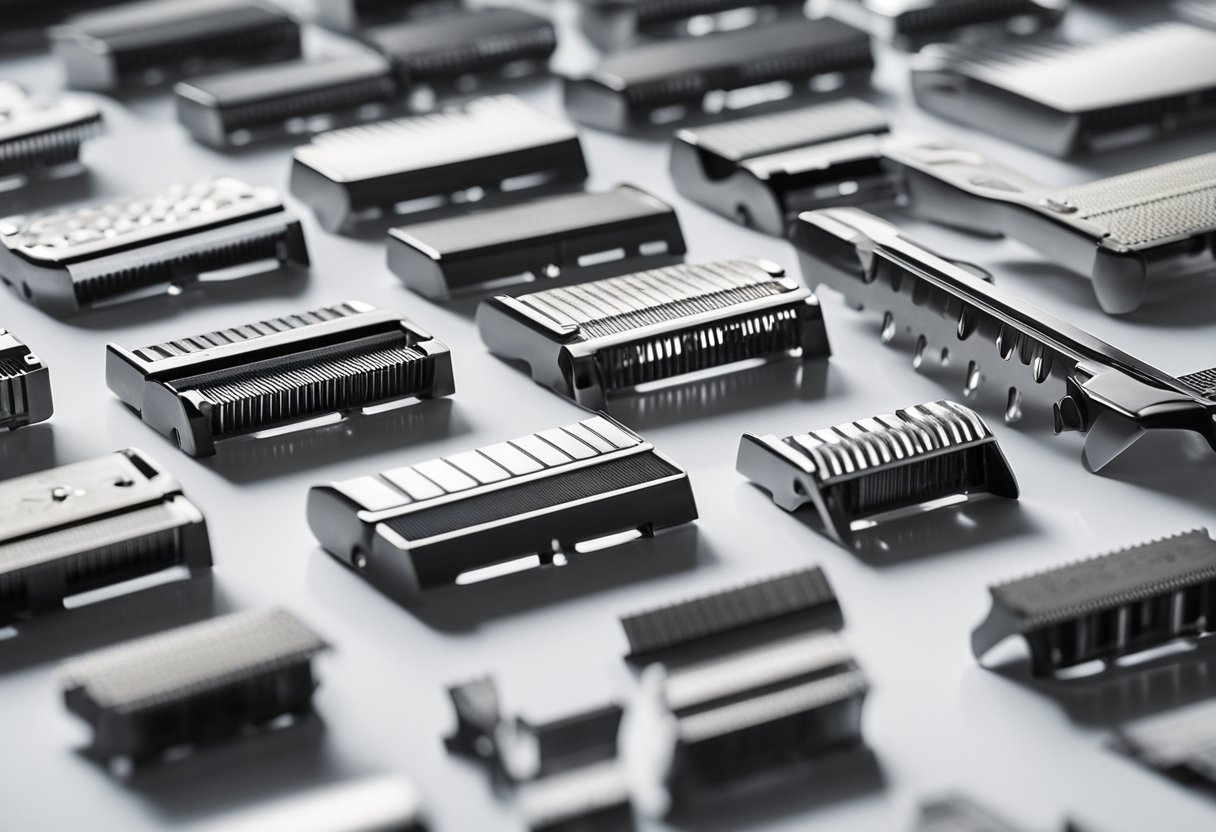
569	236
286	98
74	261
25	384
656	84
527	502
760	611
377	803
1063	98
352	15
1121	231
765	170
151	42
913	24
1179	743
192	685
858	472
491	148
1031	358
93	524
611	24
594	339
482	44
267	374
1125	602
40	135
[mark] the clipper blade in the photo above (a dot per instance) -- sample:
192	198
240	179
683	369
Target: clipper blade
1109	606
860	471
195	684
88	525
78	260
337	359
446	521
595	339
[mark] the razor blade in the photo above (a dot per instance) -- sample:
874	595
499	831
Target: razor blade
999	339
668	81
570	236
1125	602
193	685
378	803
77	260
442	51
913	24
528	502
25	384
610	24
595	339
494	148
39	135
765	170
1064	99
151	42
93	524
288	98
263	375
859	472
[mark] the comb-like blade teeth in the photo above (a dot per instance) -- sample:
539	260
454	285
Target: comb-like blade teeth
156	42
653	326
89	525
754	606
247	401
332	360
222	675
1112	605
864	469
503	508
